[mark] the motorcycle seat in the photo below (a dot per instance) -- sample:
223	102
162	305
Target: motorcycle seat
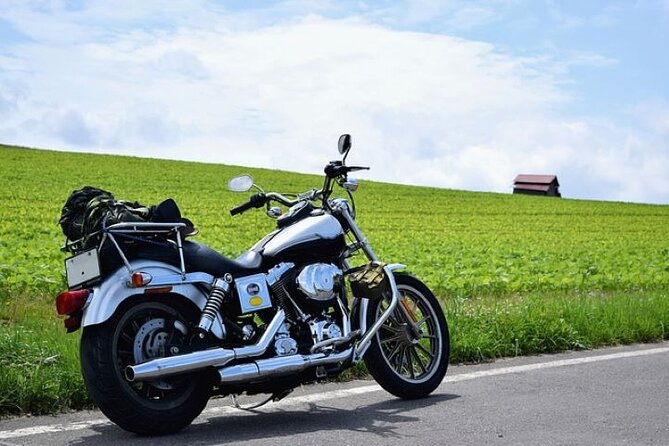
200	257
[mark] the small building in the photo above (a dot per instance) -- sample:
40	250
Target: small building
537	185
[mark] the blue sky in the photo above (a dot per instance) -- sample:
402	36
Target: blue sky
458	94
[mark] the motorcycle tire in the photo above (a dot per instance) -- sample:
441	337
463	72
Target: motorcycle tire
407	364
143	331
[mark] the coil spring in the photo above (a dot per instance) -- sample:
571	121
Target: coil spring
214	301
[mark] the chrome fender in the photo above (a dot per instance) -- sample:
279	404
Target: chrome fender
114	290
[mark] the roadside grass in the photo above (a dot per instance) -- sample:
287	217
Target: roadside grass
486	328
39	362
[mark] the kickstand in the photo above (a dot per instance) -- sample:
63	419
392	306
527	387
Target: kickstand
273	397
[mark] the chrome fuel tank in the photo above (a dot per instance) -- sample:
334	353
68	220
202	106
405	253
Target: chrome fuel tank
309	235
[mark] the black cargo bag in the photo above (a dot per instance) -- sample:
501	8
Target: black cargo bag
88	209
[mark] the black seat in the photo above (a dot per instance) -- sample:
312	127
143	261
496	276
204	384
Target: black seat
200	257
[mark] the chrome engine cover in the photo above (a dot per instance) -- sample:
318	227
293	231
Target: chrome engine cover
284	345
318	281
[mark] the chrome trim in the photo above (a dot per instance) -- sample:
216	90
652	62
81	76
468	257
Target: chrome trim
362	240
319	227
364	343
144	224
275	274
284	365
335	341
177	279
120	253
174	365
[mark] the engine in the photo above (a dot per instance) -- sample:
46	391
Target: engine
319	281
309	295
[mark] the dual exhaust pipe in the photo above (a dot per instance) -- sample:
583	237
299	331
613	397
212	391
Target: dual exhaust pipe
219	357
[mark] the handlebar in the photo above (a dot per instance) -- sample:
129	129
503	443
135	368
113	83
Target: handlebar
336	169
256	201
333	170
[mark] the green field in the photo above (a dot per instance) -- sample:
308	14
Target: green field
517	274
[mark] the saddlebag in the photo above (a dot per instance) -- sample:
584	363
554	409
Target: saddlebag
370	281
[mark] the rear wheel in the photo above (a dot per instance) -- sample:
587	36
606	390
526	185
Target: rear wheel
141	332
406	361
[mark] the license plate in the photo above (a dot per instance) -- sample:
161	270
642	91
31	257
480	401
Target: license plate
82	268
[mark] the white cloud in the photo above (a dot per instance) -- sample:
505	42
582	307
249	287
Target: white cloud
423	108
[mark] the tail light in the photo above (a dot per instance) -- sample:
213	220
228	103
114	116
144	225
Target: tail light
69	302
73	322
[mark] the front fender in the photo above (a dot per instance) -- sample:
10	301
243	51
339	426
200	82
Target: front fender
114	290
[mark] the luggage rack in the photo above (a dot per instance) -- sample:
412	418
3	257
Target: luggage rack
136	231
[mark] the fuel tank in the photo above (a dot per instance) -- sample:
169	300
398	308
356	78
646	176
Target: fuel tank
314	237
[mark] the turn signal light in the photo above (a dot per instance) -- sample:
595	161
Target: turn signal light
140	279
68	302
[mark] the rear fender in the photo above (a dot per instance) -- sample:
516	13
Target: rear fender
114	290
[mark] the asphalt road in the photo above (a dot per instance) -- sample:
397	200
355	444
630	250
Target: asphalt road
603	397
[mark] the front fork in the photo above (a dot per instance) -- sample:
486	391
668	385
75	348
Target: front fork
395	299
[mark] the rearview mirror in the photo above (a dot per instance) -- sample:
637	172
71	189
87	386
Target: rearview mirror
344	143
241	183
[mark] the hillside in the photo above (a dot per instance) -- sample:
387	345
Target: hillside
461	243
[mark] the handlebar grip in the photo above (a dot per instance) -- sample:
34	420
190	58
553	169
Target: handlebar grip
356	168
256	201
241	208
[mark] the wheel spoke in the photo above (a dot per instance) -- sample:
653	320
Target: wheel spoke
422	321
426	351
408	351
391	339
402	357
390	329
394	352
420	361
127	338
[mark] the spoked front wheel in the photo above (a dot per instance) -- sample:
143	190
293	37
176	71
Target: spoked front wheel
408	356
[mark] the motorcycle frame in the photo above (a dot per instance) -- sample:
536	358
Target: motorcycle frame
112	292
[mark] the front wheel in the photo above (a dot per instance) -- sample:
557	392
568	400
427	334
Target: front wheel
409	358
144	331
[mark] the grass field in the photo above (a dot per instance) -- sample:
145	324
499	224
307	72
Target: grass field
516	274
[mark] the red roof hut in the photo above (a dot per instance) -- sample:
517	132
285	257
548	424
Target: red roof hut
537	185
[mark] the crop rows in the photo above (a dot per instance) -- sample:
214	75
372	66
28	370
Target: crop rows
461	243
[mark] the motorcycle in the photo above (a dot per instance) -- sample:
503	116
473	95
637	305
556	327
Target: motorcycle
174	325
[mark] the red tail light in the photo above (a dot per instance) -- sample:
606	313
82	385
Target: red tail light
72	323
68	302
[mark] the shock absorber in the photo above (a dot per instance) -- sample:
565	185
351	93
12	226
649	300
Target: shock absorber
219	292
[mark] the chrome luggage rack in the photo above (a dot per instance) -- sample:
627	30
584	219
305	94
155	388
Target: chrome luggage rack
137	231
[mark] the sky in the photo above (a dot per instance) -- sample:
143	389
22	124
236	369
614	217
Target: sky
454	94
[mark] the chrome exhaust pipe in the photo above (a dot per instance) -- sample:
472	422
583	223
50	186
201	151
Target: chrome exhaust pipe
174	365
282	365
